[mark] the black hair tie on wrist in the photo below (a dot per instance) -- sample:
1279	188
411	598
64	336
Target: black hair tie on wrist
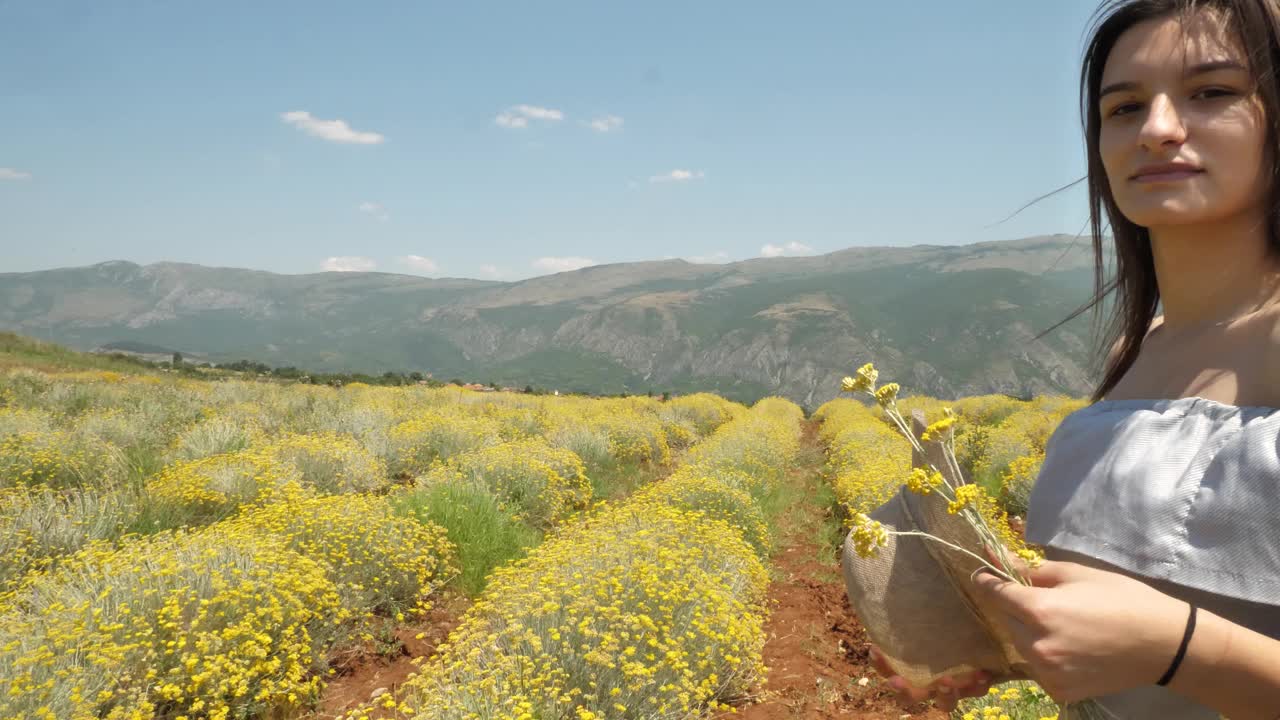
1182	649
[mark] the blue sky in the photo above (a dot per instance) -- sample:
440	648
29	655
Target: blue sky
506	140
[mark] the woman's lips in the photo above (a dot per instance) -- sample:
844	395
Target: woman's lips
1167	176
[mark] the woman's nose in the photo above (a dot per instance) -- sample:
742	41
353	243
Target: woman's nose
1163	124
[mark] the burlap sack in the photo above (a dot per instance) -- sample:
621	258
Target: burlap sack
915	598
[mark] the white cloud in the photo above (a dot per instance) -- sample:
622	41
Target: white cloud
520	115
11	174
719	256
375	209
606	123
332	130
349	263
419	263
507	120
491	272
562	264
677	176
791	248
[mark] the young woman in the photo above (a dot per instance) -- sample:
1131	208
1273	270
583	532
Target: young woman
1159	504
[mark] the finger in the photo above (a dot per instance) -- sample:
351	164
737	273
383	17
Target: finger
909	695
1013	599
880	664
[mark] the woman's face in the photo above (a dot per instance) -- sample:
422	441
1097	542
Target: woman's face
1160	103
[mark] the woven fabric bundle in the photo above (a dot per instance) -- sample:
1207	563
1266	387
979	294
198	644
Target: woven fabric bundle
915	598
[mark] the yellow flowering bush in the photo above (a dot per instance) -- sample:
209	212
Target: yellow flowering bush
208	489
39	523
420	441
643	608
212	624
330	463
866	462
634	437
705	411
379	560
692	492
540	483
61	459
214	436
755	448
1016	482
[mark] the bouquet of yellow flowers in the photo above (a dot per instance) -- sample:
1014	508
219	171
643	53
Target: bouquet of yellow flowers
908	565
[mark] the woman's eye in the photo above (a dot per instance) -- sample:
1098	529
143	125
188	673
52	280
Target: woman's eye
1208	93
1219	91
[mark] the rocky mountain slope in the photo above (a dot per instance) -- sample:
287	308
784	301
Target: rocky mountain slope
944	320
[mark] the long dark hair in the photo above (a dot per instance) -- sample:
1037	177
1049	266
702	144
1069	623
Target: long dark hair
1256	24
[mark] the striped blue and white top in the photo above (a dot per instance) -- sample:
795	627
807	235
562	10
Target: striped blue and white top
1183	494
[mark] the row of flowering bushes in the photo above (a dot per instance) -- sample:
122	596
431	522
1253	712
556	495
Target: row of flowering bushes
230	620
89	457
180	549
1000	443
648	608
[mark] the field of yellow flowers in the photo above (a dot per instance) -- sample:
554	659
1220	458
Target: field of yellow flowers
1000	444
190	549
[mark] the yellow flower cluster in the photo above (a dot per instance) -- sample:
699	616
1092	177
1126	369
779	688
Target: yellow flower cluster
924	481
1017	700
868	535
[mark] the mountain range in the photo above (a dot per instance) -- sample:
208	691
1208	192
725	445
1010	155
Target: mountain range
945	320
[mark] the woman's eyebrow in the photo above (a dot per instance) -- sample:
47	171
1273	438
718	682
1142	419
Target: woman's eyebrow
1200	69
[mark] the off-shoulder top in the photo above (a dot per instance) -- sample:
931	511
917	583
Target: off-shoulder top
1183	494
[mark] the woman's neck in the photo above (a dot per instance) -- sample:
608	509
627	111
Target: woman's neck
1210	275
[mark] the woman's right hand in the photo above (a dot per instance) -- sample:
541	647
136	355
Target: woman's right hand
945	691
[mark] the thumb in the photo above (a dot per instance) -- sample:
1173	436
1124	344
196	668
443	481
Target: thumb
1051	573
1046	573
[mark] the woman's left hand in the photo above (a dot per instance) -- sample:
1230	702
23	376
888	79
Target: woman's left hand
1087	632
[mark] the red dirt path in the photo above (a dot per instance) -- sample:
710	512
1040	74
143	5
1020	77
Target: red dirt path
816	650
367	673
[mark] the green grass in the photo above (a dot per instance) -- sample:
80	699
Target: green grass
485	535
19	351
614	480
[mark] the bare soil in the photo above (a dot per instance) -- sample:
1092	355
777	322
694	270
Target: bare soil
816	650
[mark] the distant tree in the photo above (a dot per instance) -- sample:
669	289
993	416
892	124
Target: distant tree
415	376
177	359
456	381
528	389
666	395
